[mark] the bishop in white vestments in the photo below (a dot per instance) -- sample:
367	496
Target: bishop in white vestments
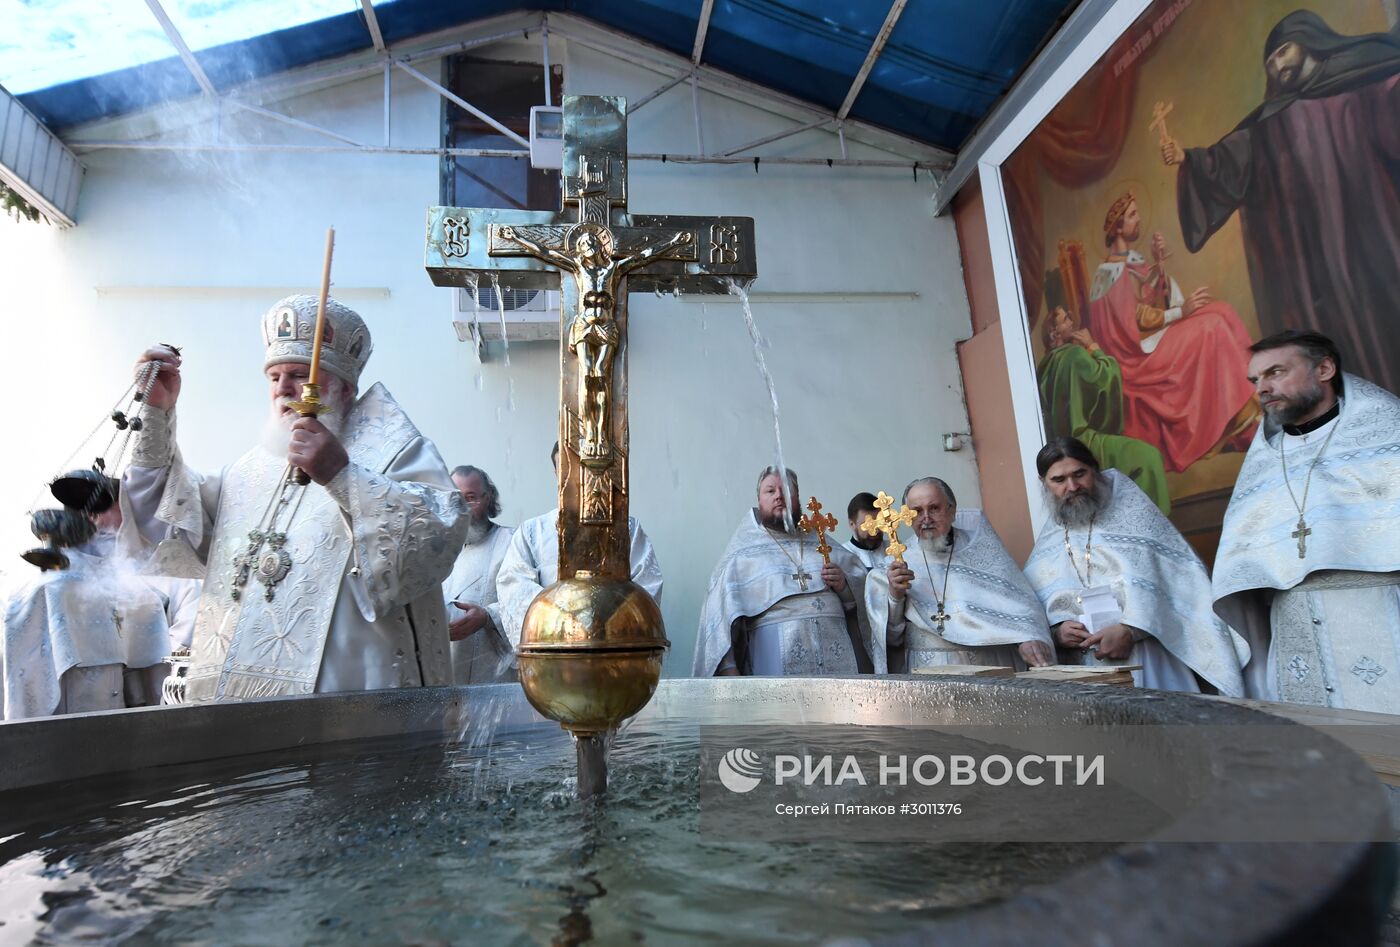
481	652
1309	562
773	607
958	598
1120	585
332	586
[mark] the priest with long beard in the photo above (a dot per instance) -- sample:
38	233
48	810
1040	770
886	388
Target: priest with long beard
1120	585
773	607
332	586
958	598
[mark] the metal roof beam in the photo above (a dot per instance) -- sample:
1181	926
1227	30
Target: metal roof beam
657	92
463	103
668	157
666	62
778	136
876	48
372	23
294	122
701	29
178	42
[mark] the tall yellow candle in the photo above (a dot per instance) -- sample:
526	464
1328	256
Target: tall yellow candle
321	309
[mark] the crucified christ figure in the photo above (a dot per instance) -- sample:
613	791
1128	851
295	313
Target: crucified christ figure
590	254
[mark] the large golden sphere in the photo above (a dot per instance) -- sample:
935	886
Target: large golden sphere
590	652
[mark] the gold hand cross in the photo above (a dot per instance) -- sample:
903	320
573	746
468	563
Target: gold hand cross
888	522
820	524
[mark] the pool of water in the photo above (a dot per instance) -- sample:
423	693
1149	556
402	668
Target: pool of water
410	841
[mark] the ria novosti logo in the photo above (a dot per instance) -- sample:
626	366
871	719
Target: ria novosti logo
740	769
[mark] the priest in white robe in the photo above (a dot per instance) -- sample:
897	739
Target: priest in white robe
93	636
868	550
773	608
1309	562
481	652
531	564
1121	586
958	597
334	586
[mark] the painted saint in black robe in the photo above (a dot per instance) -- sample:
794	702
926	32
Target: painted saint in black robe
1315	174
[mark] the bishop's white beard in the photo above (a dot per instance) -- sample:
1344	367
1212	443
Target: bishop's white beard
277	429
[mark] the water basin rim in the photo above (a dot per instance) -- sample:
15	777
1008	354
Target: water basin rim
1251	892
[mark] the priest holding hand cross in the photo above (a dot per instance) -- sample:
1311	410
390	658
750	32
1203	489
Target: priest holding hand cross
959	599
765	614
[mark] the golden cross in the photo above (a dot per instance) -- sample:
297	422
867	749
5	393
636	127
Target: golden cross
1160	111
889	522
593	252
820	524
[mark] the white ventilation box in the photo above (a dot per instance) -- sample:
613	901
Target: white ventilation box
521	315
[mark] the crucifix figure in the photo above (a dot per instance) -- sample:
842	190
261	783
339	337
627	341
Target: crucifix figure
1301	534
598	268
604	251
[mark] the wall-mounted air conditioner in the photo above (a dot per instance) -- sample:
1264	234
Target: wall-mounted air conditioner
517	315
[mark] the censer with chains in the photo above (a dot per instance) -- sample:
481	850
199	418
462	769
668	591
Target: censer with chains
85	493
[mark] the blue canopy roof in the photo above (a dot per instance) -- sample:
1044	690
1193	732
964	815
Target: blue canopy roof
944	66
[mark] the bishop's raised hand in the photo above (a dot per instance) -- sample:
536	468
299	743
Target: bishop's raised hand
165	391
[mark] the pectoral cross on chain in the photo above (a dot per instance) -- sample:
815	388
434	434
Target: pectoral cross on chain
1301	534
803	577
941	618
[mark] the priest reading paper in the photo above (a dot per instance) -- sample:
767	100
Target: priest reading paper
958	598
531	564
1309	561
332	586
481	652
1119	583
773	607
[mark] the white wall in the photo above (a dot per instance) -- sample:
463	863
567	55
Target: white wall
190	249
